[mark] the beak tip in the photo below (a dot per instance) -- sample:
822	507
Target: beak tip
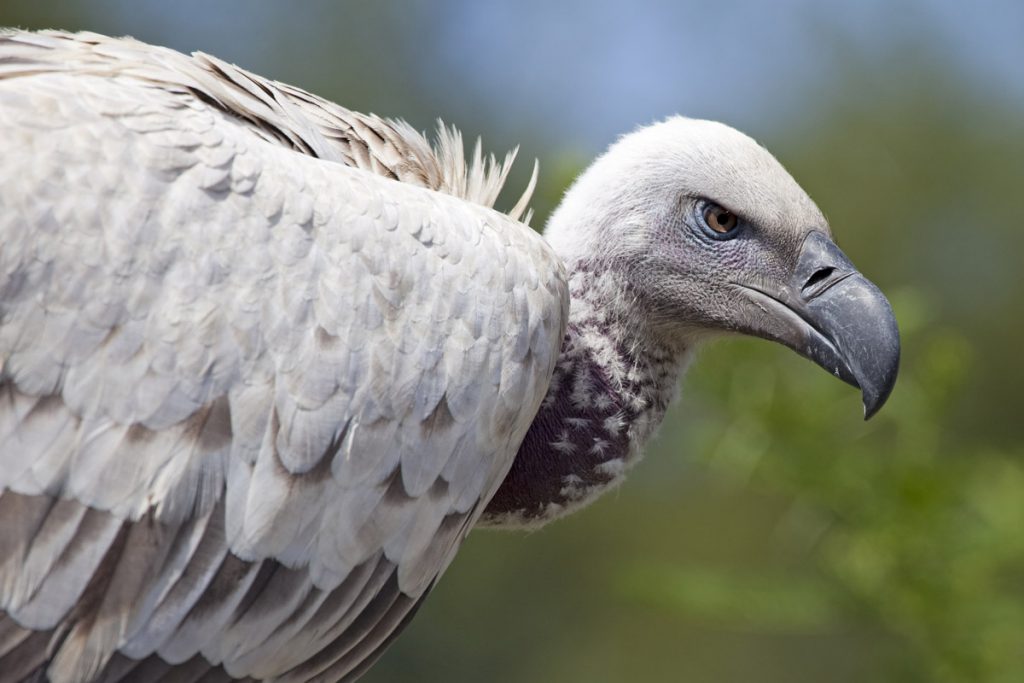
875	396
871	408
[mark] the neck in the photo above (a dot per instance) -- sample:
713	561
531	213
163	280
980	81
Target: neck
609	392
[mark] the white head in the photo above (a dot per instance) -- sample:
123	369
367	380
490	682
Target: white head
710	233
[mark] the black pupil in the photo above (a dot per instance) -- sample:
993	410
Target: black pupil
723	218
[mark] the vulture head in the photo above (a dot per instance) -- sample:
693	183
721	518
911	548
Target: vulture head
709	234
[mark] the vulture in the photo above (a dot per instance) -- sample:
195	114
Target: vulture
266	361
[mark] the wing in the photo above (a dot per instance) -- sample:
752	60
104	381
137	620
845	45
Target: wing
251	400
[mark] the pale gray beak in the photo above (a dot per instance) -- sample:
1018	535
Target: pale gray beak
830	313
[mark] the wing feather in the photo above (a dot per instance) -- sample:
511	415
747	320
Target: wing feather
66	579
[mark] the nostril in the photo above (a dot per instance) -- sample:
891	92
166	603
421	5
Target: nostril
817	277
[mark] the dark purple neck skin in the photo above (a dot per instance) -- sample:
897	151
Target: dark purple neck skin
609	391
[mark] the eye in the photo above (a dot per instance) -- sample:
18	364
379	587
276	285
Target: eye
720	221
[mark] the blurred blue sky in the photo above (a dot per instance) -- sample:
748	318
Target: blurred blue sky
582	72
601	68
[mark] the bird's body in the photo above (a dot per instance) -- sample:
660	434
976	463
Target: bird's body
265	361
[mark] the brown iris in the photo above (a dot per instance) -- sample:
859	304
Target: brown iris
720	220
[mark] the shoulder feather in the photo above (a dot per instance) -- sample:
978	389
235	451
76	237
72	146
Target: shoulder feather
284	113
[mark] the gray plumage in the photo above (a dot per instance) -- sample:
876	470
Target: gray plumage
264	361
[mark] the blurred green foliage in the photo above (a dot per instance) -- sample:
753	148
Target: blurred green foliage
912	529
770	535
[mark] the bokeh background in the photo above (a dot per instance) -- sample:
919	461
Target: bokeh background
770	534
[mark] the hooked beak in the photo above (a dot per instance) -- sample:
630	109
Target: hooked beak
830	313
